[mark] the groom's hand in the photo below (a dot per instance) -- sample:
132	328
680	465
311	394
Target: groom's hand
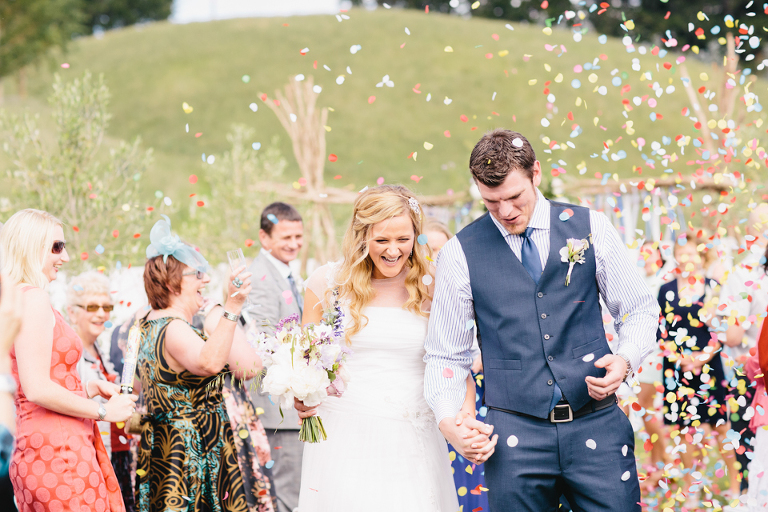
303	410
471	438
616	369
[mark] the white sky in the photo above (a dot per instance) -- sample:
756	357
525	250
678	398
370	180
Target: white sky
186	11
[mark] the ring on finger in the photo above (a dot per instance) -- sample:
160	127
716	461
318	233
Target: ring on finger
237	282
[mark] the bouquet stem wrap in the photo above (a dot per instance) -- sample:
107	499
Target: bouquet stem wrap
312	430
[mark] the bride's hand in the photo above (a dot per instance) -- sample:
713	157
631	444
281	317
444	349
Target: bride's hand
303	410
480	444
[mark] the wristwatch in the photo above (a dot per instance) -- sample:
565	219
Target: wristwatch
629	366
231	316
102	412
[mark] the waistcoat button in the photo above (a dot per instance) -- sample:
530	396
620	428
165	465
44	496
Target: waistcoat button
549	382
546	336
551	358
543	315
540	295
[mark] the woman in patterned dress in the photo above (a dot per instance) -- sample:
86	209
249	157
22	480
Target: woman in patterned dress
187	455
60	463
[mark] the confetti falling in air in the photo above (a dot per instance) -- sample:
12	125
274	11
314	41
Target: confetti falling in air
273	218
591	444
587	358
512	441
422	239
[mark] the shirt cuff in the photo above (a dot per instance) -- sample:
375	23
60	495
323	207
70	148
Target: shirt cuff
631	352
445	409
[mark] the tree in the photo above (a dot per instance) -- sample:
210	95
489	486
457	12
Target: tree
231	214
29	29
120	13
93	188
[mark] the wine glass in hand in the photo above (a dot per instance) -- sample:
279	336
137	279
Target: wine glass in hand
237	260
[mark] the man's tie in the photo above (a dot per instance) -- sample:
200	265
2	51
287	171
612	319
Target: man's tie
296	295
532	263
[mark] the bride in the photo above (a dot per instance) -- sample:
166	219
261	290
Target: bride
384	451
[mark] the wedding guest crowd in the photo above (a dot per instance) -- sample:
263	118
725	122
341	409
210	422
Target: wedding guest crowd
209	440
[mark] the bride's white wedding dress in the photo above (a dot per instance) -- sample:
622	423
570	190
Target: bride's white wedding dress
384	451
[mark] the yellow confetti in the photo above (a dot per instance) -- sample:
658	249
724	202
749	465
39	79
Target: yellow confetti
532	81
243	433
452	456
503	53
559	78
141	472
259	411
327	128
704	77
427	146
462	491
187	108
629	24
476	4
468	469
547	31
448	49
120	424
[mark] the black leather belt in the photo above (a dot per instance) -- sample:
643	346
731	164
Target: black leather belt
563	413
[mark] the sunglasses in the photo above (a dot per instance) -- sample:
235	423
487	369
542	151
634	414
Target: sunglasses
58	246
92	308
195	273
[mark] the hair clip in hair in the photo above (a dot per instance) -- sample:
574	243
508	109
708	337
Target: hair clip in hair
414	204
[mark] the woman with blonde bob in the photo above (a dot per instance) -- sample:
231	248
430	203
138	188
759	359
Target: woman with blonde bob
384	451
60	463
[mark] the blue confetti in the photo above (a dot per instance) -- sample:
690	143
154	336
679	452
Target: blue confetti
256	146
422	239
108	324
575	83
564	216
99	249
273	218
469	325
269	464
78	288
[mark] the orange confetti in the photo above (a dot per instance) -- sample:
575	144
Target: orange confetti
75	229
248	242
115	233
371	99
192	179
332	157
84	256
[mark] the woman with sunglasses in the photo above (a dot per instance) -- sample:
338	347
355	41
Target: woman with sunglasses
60	463
187	455
89	306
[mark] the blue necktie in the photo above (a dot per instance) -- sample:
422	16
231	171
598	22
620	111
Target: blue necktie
296	295
532	263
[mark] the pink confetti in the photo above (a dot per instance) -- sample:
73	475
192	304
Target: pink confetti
448	373
65	65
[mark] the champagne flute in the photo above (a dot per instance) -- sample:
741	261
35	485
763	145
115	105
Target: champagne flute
237	260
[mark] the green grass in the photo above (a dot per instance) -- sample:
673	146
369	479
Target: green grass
152	69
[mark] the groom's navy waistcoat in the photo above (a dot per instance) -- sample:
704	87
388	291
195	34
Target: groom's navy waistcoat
534	335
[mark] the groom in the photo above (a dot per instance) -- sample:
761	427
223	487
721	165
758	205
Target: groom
550	376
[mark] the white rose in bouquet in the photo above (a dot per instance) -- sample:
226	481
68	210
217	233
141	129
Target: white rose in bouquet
309	385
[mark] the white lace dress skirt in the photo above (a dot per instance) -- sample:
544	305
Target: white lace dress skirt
384	451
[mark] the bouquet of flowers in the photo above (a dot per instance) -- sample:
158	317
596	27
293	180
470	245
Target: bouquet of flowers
306	363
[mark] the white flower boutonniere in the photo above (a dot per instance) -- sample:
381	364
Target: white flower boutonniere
573	253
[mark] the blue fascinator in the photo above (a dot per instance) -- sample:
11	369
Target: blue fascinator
166	243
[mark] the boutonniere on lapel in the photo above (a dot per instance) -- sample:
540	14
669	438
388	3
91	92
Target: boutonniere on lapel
573	253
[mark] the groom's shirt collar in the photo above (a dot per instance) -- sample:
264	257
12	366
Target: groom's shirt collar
539	219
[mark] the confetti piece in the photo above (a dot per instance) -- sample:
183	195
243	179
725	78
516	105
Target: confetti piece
625	476
469	325
187	108
192	179
380	181
332	157
448	49
246	79
448	373
428	146
243	434
512	441
422	239
99	249
564	216
273	218
427	280
591	444
141	472
624	450
65	65
84	256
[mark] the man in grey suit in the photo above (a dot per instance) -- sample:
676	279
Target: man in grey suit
275	295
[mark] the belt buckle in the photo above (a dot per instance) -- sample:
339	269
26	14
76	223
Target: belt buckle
557	415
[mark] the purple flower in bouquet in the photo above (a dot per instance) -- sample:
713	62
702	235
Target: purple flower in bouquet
287	320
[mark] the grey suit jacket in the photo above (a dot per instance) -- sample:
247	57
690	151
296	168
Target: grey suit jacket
268	307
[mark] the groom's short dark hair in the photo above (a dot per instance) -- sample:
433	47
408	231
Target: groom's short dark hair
278	211
499	153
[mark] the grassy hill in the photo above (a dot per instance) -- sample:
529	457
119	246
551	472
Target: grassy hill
152	69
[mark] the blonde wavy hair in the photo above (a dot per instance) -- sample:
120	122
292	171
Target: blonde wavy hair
354	273
24	240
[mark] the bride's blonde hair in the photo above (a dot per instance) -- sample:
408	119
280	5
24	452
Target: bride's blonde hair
354	273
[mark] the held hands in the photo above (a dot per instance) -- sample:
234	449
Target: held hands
616	369
303	410
120	407
471	438
236	295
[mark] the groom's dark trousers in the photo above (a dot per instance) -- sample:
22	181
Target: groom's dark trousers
539	334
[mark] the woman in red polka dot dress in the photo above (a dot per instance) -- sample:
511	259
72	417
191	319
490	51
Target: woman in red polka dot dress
60	463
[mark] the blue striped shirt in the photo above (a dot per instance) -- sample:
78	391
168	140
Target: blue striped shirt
451	322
